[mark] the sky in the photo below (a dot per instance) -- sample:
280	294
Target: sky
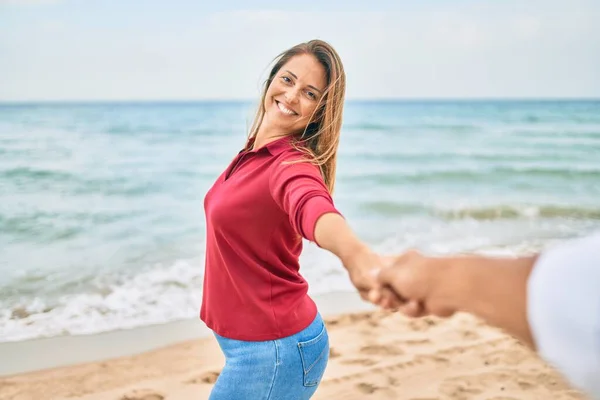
69	50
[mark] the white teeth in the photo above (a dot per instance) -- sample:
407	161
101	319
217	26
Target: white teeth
284	109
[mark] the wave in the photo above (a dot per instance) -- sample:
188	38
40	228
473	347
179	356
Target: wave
512	212
72	184
163	294
389	208
160	134
369	126
172	292
473	174
412	127
496	212
572	134
156	296
429	157
49	227
34	173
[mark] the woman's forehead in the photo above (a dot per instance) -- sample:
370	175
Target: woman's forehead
307	70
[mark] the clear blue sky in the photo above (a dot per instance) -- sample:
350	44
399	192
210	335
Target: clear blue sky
130	50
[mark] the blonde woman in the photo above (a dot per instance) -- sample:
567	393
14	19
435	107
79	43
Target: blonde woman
276	191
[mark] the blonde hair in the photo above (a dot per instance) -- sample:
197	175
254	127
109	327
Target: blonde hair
321	137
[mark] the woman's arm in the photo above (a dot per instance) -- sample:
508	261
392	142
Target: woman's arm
300	192
333	233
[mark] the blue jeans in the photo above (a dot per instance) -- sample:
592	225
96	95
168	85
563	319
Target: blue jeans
290	368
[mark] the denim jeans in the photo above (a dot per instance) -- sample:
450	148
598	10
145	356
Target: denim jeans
290	368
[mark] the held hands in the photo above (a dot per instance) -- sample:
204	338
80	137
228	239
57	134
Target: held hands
421	285
363	266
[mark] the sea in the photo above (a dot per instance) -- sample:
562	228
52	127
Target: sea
101	204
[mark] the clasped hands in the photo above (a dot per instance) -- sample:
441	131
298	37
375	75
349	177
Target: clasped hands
411	283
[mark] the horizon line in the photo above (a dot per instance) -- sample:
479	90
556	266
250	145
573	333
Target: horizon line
238	100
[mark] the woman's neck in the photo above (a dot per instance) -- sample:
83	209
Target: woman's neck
266	135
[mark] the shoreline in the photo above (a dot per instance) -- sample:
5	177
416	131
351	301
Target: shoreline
374	355
33	355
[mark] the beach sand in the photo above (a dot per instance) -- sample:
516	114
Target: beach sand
374	355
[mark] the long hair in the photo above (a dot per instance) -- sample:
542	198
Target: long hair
321	137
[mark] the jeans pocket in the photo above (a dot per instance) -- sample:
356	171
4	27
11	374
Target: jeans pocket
314	354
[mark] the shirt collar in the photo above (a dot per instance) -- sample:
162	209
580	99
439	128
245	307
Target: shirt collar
274	148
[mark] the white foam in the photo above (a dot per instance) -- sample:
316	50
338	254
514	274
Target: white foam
160	295
168	293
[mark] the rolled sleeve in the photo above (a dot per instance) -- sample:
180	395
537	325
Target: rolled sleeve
299	190
564	310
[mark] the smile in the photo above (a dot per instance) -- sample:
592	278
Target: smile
284	109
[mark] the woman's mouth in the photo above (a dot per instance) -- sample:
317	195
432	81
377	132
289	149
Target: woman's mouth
285	109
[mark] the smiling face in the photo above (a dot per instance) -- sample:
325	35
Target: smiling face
294	94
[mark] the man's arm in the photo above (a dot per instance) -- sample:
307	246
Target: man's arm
551	301
493	289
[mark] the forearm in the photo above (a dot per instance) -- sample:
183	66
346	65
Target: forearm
332	233
494	290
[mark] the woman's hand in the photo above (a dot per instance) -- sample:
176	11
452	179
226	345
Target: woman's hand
333	233
425	283
363	267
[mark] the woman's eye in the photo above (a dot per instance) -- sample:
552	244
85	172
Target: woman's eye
311	95
286	79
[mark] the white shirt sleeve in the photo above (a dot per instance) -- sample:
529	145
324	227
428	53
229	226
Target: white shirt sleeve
564	310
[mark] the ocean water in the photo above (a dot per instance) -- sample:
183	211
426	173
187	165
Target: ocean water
101	219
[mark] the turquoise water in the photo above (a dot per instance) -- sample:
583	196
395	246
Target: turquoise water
101	219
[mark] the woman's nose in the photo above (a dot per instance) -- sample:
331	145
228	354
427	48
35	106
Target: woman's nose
291	96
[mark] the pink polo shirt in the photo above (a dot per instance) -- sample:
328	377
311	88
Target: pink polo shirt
256	213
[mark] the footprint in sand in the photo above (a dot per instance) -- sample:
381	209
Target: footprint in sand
504	357
207	377
360	361
465	388
366	388
503	398
143	394
525	385
470	335
370	318
436	359
424	398
348	319
381	350
422	324
469	386
333	353
415	342
373	320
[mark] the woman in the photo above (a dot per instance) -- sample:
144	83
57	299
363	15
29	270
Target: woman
276	191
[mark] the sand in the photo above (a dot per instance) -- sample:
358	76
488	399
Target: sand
374	355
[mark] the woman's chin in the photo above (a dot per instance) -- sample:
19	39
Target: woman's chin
276	122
